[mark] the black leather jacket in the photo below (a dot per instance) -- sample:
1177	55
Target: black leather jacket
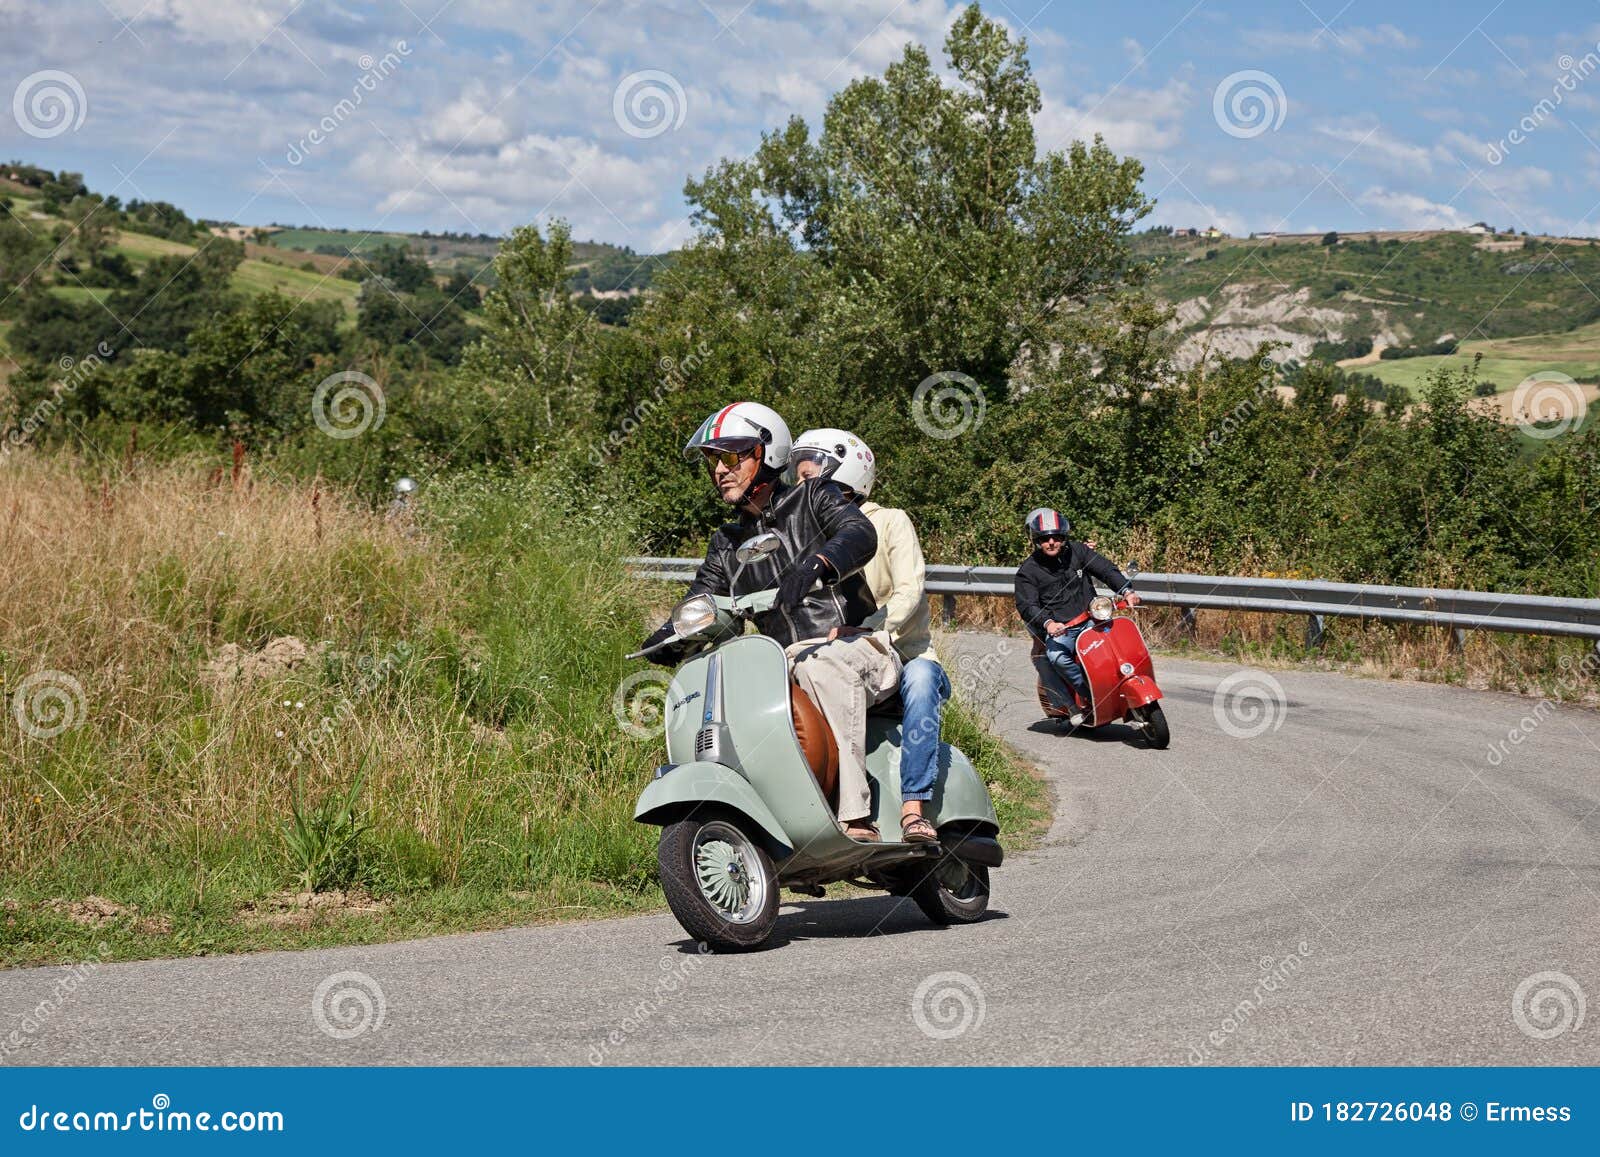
1061	588
811	518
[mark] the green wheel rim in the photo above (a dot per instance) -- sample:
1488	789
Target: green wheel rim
729	872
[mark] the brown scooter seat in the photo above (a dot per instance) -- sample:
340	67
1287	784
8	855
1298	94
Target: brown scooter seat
816	742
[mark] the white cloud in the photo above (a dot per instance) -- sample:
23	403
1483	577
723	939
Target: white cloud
1403	210
1353	41
1132	120
1374	145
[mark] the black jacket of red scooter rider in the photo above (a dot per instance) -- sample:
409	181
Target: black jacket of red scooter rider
1062	587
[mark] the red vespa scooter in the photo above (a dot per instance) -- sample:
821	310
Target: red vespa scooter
1122	678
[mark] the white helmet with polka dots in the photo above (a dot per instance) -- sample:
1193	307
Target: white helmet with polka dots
843	457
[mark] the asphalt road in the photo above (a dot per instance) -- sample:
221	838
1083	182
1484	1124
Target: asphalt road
1362	882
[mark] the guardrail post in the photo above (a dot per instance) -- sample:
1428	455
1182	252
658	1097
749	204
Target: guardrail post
1315	629
1458	640
1186	620
949	606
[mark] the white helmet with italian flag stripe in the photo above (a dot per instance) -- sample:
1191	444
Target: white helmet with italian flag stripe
1044	521
744	426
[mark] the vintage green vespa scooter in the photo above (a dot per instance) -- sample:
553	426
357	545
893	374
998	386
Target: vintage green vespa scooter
742	801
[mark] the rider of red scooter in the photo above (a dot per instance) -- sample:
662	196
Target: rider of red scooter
1054	587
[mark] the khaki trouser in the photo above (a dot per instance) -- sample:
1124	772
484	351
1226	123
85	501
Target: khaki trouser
844	678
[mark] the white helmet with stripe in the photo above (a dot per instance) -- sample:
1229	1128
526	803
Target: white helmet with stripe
844	458
1043	521
741	426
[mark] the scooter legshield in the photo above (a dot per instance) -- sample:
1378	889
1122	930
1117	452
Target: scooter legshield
691	785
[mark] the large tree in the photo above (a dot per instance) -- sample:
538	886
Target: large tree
921	232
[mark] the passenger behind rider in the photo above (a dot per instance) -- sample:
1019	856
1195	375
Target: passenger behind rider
1054	588
825	538
897	576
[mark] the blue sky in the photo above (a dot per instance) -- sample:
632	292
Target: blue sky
478	115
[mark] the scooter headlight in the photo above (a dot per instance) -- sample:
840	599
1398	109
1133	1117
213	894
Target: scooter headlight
693	615
1126	669
1100	610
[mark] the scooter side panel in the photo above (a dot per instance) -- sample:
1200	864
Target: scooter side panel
958	790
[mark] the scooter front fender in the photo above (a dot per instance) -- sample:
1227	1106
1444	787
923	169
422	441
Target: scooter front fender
679	790
1138	691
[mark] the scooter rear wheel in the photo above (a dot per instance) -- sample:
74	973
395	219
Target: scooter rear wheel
954	892
718	881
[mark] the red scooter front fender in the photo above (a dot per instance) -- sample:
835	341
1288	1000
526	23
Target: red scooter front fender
1138	691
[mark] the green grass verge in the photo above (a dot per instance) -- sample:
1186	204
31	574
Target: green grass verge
458	684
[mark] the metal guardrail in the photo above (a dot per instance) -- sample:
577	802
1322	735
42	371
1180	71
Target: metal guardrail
1459	611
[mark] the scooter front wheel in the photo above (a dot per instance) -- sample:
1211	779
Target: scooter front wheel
718	882
1156	732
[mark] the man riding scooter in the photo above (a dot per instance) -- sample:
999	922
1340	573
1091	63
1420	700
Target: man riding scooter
1054	588
897	576
825	539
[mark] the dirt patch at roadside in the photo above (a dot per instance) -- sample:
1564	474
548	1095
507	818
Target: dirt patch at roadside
304	909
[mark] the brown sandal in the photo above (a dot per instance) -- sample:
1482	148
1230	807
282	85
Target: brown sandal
866	833
915	829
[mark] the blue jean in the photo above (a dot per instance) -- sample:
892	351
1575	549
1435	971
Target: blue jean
924	687
1061	652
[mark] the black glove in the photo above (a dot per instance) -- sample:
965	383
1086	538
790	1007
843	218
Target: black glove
666	656
800	579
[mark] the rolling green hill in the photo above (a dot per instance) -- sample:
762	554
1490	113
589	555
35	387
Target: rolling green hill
1523	303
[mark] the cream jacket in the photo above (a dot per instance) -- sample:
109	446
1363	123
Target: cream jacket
897	576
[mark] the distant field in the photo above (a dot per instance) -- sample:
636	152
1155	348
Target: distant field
1506	361
141	247
81	293
260	277
252	276
309	239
